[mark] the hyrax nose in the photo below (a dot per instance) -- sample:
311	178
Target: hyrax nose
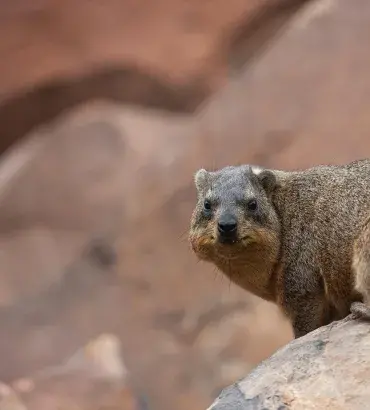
227	225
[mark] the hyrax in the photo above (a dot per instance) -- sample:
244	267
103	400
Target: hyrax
300	239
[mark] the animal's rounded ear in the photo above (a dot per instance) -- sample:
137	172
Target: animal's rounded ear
268	180
201	179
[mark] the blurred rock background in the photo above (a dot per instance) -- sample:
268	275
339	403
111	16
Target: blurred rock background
107	108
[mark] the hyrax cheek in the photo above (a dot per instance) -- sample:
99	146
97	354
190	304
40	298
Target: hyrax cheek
199	240
205	241
249	236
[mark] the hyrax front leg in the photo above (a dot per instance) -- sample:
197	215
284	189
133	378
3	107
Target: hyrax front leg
309	316
361	269
304	300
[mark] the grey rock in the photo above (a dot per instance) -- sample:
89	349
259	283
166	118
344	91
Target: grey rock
326	369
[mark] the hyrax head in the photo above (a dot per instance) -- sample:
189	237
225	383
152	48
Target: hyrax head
234	212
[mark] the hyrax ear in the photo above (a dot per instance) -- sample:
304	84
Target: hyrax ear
201	179
268	180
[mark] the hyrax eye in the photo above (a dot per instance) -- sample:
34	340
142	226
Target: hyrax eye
252	205
207	205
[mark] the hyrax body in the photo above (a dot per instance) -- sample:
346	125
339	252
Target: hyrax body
300	239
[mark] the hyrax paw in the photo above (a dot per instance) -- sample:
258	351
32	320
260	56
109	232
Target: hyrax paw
360	311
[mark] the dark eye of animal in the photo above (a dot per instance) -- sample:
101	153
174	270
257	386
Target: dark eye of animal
252	205
207	206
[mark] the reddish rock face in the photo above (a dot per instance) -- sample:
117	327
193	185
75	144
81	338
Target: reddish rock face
95	207
168	54
178	40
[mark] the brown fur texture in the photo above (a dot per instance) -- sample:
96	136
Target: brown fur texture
304	243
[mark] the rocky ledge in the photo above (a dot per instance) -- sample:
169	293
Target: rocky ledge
326	369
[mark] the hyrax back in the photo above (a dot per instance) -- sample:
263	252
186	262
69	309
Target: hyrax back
300	239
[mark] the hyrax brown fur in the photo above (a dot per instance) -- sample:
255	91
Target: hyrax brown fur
300	239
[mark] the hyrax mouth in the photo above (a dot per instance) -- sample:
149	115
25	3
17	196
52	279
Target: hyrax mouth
227	240
244	240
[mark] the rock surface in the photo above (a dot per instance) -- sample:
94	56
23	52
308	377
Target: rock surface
326	369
